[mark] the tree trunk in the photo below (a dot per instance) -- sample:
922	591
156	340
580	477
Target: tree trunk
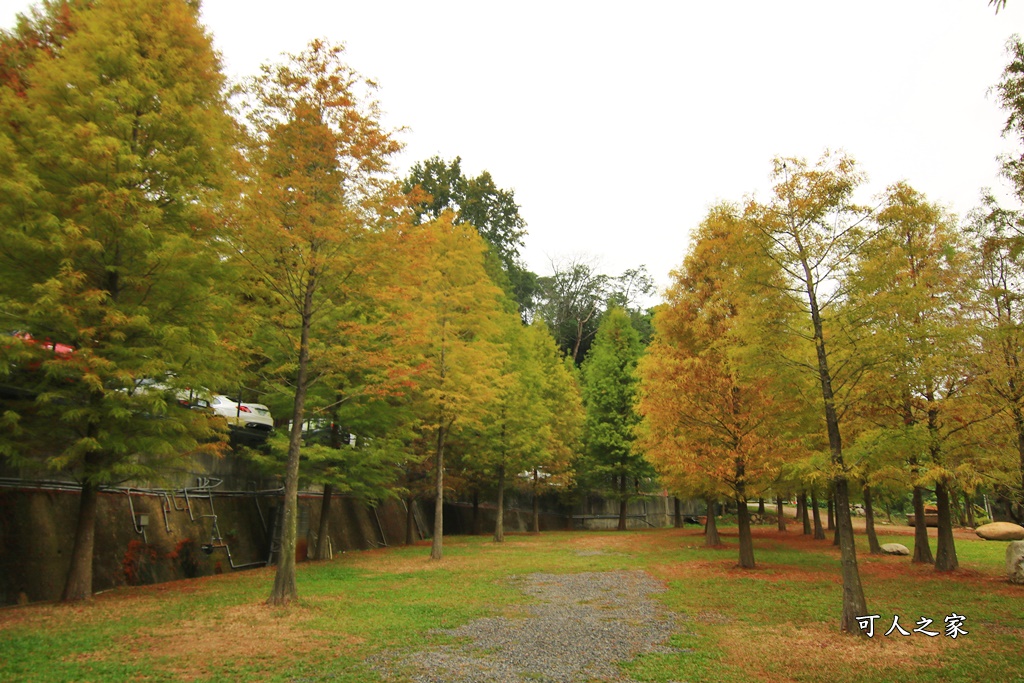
854	604
760	506
831	510
922	550
805	514
869	523
746	542
622	504
780	513
477	522
678	510
831	507
323	545
499	523
535	524
1017	510
410	521
969	509
285	589
536	502
437	543
945	549
956	511
78	585
711	538
819	531
799	508
579	340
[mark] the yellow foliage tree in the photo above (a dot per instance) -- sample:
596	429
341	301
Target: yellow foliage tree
454	312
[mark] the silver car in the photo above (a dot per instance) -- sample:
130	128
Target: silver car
249	415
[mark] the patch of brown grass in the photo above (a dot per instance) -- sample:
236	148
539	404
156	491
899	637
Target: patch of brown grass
766	653
382	561
41	616
729	569
138	600
628	542
245	633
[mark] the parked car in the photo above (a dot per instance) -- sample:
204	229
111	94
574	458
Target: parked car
249	415
22	378
58	349
253	417
320	431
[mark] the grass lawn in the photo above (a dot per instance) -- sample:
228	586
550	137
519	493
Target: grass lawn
778	622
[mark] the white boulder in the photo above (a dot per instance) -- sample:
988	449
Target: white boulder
1001	531
1015	562
895	549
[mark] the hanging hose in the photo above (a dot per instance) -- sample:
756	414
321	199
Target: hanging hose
139	528
188	504
210	547
256	497
166	507
213	513
383	538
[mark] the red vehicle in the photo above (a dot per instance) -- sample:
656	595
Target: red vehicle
21	383
60	350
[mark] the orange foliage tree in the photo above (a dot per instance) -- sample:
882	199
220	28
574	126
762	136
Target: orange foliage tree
712	422
318	194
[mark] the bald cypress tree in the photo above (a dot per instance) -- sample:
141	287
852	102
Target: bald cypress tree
111	151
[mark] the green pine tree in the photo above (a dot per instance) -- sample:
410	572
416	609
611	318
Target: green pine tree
609	395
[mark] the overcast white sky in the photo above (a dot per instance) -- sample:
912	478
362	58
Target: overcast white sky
617	126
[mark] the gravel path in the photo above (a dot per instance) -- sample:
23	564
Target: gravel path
580	626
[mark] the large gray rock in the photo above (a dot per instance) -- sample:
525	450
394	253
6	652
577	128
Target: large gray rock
895	549
1015	562
1001	531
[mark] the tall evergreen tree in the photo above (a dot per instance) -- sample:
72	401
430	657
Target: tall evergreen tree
113	140
609	395
998	235
714	419
914	279
813	231
998	246
534	417
318	195
455	318
561	395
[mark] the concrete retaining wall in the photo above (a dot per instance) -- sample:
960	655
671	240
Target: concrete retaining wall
37	527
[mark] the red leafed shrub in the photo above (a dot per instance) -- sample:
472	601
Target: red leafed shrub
139	563
185	557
